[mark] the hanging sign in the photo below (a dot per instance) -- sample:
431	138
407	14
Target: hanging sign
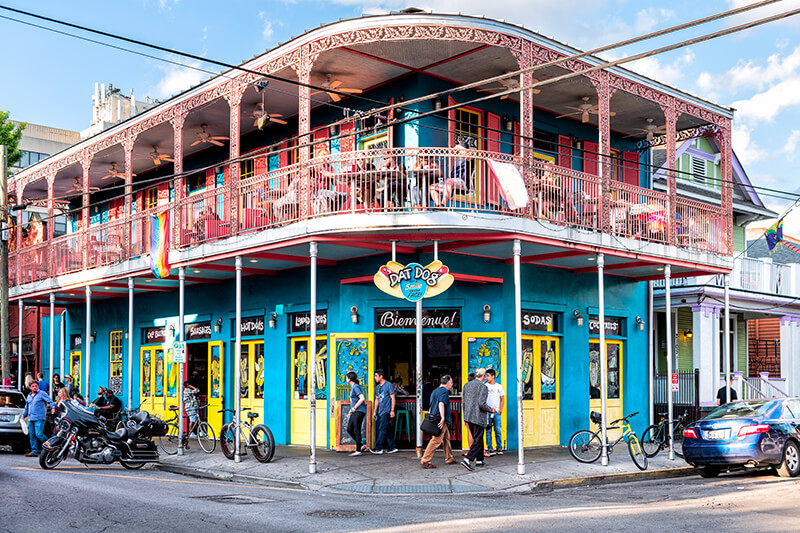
413	281
75	342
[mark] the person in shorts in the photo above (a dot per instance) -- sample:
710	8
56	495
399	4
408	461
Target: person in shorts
191	403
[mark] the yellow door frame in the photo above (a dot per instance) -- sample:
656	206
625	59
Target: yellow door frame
254	376
159	382
533	370
483	354
77	378
146	401
613	405
302	405
352	357
216	388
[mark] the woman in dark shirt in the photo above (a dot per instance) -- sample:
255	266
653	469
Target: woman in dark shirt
358	410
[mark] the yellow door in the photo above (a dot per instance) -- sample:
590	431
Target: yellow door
159	384
171	371
614	399
251	386
483	350
540	413
351	352
147	369
301	419
76	369
215	386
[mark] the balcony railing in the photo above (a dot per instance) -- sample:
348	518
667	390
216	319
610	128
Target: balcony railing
752	274
388	181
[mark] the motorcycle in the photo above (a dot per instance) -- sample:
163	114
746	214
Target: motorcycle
79	431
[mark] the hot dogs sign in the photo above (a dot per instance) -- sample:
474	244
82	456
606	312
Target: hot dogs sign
413	281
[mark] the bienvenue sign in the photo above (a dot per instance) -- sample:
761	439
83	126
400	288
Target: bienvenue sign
413	282
407	318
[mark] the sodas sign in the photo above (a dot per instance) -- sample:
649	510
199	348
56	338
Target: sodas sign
413	282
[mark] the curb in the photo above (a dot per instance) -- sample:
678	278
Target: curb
229	476
609	479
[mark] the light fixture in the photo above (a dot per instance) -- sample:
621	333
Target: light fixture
640	322
171	330
93	336
687	334
126	333
261	85
218	325
333	130
254	260
196	271
437	104
578	317
487	313
508	123
354	314
273	320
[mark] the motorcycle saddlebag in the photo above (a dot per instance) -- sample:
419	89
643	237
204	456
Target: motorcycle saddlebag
155	428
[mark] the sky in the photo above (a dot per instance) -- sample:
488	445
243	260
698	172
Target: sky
757	71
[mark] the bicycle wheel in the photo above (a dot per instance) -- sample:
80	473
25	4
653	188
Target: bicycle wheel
585	446
226	441
677	440
651	441
263	443
637	453
206	437
169	442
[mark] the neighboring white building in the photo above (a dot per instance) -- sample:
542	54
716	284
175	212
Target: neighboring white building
40	141
110	106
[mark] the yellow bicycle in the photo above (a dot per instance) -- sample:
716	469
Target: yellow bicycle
586	446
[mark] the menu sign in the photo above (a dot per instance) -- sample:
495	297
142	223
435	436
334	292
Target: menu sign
407	318
153	335
301	322
253	326
539	321
199	331
613	326
75	342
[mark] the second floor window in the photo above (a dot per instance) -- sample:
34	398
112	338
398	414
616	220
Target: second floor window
247	168
151	197
468	128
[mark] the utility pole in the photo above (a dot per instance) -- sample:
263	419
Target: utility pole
5	347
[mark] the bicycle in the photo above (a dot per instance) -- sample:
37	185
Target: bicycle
656	436
122	418
204	433
258	437
586	446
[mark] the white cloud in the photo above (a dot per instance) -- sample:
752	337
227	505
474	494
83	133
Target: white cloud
670	73
790	146
766	11
650	18
752	75
268	31
178	78
767	105
746	149
166	4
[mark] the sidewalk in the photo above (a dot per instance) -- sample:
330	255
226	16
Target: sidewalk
400	473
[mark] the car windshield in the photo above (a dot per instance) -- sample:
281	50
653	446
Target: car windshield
12	399
741	410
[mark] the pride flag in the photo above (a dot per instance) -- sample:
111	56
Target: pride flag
159	245
774	234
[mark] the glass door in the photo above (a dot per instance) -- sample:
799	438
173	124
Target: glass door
76	369
614	400
251	386
482	350
540	413
352	352
215	386
300	417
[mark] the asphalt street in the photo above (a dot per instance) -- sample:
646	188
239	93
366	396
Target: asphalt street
74	498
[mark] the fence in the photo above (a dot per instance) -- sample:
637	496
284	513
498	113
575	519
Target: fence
685	401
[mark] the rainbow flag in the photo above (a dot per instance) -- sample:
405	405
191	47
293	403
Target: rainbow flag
774	234
159	245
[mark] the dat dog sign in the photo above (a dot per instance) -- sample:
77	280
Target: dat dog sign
413	282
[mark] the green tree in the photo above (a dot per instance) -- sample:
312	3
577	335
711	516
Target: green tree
10	135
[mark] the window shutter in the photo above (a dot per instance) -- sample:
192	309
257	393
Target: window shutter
630	168
451	122
283	157
564	151
493	127
590	151
698	169
347	143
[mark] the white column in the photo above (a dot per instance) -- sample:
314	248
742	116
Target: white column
62	334
20	306
52	336
603	360
670	343
517	250
312	362
418	372
237	357
181	332
726	343
130	343
704	355
88	354
790	356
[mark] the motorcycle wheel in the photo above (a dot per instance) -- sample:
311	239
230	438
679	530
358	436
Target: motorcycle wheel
131	466
51	458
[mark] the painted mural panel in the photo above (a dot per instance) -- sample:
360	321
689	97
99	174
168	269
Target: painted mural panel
612	356
352	355
146	382
548	369
216	372
244	373
159	377
300	360
172	376
484	352
258	369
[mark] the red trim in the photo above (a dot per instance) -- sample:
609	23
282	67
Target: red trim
678	275
547	257
621	266
457	245
359	279
291	258
379	247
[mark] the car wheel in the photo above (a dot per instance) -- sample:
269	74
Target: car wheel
707	471
790	464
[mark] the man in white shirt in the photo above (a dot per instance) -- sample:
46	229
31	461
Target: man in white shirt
495	400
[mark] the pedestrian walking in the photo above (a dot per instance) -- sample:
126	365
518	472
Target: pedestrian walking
383	414
43	385
36	410
440	403
722	393
473	398
358	410
496	400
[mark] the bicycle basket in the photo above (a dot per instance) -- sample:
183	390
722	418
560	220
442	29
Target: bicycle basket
595	417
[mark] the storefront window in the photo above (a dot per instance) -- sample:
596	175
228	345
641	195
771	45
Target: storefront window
216	371
527	369
244	373
159	380
115	362
548	372
146	373
612	357
302	371
172	376
258	369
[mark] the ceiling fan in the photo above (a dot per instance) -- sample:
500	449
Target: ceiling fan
336	85
262	119
651	130
204	137
159	158
583	110
114	173
78	187
509	84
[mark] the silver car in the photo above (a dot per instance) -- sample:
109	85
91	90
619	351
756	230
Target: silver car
12	404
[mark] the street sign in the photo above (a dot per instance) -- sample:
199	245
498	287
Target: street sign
179	352
674	382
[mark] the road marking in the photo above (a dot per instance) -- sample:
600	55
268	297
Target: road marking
192	482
